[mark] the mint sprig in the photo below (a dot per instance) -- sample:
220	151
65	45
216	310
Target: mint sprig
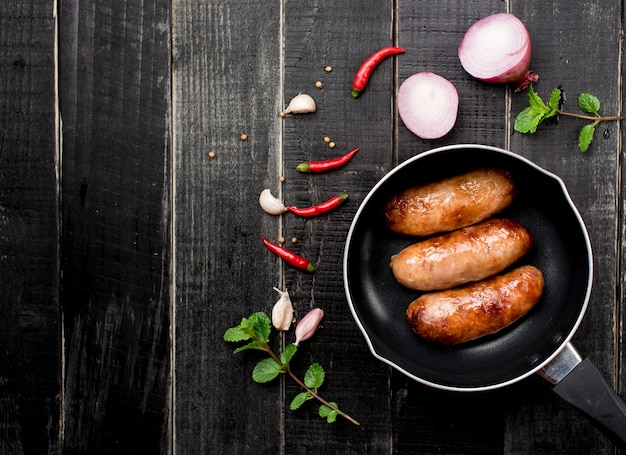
537	111
256	330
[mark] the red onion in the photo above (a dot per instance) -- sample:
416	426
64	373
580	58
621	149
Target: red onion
497	49
428	105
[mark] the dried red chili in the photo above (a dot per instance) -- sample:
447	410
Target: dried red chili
326	165
319	209
289	257
363	74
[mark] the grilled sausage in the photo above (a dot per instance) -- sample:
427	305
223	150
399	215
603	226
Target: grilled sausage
451	203
462	256
463	314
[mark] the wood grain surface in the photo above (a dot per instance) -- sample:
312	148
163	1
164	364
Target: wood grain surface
130	227
114	87
30	337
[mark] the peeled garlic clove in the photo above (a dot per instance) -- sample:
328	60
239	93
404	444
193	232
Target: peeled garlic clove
271	204
308	325
301	104
282	313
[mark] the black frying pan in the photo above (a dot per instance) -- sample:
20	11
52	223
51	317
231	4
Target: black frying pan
538	343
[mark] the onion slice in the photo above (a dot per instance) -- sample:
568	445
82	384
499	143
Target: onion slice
428	105
497	49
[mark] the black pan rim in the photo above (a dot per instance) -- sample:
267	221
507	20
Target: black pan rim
531	370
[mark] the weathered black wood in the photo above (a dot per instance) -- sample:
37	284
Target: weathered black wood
542	422
227	77
126	250
30	356
620	372
115	259
339	34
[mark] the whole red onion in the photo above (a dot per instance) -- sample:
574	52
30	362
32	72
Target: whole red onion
497	49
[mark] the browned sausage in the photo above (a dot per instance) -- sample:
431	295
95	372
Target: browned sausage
459	257
451	203
463	314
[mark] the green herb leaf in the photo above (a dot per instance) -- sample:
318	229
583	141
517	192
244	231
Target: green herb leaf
261	326
535	102
252	345
555	99
256	330
586	136
299	400
266	370
527	121
288	353
589	103
328	413
235	334
314	376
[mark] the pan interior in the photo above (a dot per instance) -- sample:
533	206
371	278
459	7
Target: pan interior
560	251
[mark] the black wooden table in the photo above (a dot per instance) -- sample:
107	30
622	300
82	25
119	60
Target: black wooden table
127	248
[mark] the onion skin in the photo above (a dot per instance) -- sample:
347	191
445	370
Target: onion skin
494	60
428	105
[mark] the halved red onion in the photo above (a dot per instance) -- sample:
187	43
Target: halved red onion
497	49
428	105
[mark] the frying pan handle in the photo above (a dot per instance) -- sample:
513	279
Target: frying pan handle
585	389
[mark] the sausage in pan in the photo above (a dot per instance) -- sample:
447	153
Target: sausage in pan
451	203
463	314
459	257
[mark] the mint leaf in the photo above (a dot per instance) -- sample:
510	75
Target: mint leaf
328	413
256	331
261	326
314	376
535	102
288	353
589	103
235	334
252	345
266	370
527	121
555	99
299	400
586	136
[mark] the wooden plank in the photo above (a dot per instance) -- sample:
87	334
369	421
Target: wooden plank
338	34
431	34
427	420
539	421
115	108
226	73
620	371
29	312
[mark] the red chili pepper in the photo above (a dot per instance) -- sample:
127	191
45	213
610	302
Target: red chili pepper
326	165
364	72
318	209
289	257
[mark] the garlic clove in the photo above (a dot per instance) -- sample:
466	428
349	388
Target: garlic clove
271	204
301	104
308	325
282	313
